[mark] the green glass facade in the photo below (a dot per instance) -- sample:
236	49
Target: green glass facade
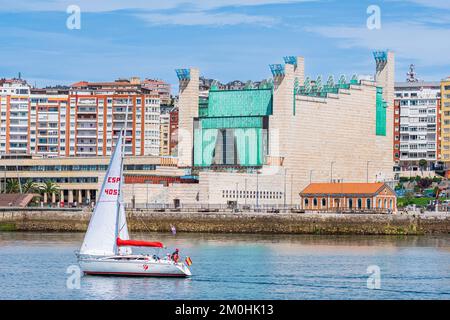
230	129
240	103
380	113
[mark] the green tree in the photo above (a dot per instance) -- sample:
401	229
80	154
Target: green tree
48	188
12	186
424	183
30	187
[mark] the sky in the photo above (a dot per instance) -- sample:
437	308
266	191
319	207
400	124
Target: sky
226	39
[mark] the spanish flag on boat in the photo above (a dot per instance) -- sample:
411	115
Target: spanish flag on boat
188	261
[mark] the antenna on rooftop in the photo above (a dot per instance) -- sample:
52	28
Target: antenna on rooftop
412	75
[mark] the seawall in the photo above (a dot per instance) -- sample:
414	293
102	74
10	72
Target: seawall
72	220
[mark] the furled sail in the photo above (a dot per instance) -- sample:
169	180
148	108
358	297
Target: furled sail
103	229
139	243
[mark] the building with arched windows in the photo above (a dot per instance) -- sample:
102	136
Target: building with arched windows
349	197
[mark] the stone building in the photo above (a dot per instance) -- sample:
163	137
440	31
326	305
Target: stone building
289	132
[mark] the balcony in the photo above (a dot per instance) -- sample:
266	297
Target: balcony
87	110
86	142
86	151
86	126
87	134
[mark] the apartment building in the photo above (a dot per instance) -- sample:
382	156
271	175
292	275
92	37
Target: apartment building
445	119
82	120
417	125
159	87
14	116
48	109
164	134
173	131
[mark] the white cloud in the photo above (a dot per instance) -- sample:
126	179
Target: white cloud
148	5
206	18
414	41
440	4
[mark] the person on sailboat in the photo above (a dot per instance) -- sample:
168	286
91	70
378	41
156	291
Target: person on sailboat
175	256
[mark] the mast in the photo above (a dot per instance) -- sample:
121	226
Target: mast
100	238
122	135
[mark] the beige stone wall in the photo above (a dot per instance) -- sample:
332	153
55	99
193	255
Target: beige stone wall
385	77
188	109
221	187
337	131
157	194
299	70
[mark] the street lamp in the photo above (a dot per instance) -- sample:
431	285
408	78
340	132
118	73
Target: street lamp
257	189
284	202
245	192
292	178
237	193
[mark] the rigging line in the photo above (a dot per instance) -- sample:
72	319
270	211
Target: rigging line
145	225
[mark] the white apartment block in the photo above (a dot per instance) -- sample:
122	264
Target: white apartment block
416	124
14	116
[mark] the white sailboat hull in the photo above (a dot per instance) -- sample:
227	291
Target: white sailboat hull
141	266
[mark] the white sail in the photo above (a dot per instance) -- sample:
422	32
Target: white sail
101	236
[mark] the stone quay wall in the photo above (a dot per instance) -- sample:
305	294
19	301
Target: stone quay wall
66	220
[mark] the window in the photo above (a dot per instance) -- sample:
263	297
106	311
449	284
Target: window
324	202
306	202
315	202
359	203
368	204
350	203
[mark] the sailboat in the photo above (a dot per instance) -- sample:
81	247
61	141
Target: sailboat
107	248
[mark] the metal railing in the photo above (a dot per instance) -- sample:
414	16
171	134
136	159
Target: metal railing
225	208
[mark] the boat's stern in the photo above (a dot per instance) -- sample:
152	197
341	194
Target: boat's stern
184	268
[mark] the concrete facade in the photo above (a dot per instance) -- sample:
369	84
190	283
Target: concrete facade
188	109
80	179
315	139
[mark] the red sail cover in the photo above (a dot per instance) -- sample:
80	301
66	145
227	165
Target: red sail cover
138	243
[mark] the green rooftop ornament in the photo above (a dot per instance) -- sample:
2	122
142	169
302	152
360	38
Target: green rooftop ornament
354	79
248	85
307	85
214	86
263	84
330	81
319	84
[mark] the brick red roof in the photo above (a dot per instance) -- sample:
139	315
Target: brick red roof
343	188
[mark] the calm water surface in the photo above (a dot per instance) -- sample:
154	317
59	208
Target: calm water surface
33	266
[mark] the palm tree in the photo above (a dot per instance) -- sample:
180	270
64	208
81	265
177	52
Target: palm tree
12	186
48	188
30	187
